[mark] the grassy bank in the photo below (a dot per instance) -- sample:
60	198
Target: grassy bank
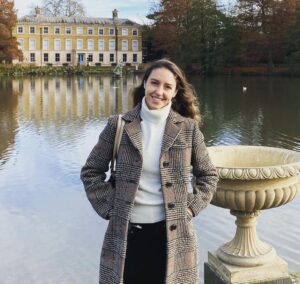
260	70
31	70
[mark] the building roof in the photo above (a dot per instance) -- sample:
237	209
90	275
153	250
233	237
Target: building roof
77	20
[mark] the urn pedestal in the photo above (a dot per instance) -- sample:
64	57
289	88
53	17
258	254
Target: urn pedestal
252	178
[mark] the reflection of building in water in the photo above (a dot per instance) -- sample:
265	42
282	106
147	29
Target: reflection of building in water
71	98
8	118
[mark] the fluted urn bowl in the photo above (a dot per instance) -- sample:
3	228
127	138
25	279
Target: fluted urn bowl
252	178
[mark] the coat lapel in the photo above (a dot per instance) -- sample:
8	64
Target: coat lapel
133	128
172	130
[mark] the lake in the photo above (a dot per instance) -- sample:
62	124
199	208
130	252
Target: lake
49	232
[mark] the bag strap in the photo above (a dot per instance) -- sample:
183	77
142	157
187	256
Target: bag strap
119	132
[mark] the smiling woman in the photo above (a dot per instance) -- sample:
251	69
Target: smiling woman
150	236
160	88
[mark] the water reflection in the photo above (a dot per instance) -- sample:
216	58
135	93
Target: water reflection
267	114
59	99
8	119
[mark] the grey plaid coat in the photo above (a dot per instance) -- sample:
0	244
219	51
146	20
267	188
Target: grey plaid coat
182	147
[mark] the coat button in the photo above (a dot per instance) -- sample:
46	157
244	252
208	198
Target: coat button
166	164
173	227
171	205
168	184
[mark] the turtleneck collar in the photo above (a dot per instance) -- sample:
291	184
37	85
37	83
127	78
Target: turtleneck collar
155	115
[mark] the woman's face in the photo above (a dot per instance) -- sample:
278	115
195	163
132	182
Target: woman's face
160	88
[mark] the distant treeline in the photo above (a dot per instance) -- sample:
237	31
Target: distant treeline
206	37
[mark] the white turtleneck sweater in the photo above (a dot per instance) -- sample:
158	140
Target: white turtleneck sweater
148	203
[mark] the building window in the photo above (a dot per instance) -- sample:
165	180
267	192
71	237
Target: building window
57	30
134	57
68	44
124	32
31	30
45	44
57	57
124	57
20	43
68	58
46	57
112	45
31	44
79	30
111	57
20	30
45	30
90	58
101	31
90	44
68	31
32	57
134	32
90	31
111	31
124	45
135	45
101	44
100	57
57	44
79	44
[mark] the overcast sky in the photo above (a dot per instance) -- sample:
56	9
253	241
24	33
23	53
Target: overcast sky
135	10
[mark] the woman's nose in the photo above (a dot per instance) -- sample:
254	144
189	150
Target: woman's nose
160	89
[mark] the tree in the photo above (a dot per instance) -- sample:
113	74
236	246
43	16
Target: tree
8	44
170	21
66	8
200	45
263	24
292	41
194	33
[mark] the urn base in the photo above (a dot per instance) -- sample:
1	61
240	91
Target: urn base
217	272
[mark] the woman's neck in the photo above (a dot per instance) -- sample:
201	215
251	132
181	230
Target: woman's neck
154	115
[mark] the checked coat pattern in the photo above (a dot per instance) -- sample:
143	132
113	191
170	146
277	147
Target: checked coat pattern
183	148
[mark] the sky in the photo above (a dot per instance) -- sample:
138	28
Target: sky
135	10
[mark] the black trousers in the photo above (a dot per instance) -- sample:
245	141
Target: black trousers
146	254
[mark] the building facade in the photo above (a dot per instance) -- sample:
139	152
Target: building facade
78	40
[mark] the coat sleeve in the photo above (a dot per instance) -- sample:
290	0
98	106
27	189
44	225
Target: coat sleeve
205	176
93	174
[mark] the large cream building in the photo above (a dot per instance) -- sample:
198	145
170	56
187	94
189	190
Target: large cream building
78	40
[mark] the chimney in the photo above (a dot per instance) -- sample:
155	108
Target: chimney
37	11
115	14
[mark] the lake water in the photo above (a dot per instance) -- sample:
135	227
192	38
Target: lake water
49	233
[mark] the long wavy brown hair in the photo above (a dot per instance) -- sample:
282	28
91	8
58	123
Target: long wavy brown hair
185	102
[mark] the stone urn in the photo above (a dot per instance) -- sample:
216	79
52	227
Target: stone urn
252	178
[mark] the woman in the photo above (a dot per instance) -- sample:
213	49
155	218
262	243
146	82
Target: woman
150	237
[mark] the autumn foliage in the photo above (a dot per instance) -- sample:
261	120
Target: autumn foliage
251	32
8	44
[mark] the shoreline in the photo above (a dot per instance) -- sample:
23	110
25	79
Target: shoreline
43	71
19	70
